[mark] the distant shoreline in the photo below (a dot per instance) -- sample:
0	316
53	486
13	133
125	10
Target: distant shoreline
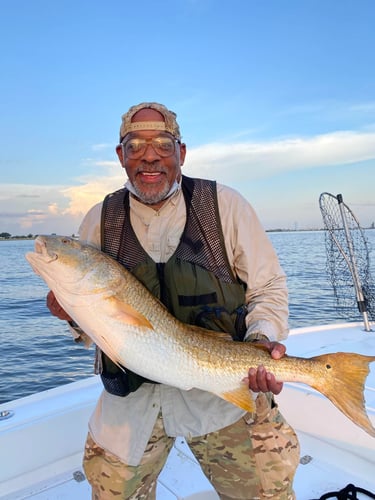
12	238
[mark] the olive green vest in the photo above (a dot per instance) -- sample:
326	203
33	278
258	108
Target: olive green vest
196	284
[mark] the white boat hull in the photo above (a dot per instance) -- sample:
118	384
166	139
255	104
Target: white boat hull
42	443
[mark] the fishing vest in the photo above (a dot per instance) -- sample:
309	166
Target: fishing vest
197	284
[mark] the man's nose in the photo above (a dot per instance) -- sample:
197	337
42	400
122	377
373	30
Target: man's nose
150	154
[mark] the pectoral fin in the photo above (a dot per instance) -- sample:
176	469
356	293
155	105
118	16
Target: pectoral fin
127	314
240	397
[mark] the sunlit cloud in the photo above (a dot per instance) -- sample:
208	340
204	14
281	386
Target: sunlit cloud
61	208
53	208
83	197
32	219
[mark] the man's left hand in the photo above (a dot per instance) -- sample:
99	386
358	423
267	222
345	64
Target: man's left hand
259	379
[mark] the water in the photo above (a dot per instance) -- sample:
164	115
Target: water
37	351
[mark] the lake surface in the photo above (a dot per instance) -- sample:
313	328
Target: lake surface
37	351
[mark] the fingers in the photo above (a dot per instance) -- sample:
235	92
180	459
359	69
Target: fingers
277	350
55	307
259	380
50	299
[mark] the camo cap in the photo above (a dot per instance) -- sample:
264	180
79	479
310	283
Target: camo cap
169	125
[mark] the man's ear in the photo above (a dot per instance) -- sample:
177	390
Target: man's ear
182	153
120	154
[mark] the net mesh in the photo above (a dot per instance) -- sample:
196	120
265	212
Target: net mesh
348	259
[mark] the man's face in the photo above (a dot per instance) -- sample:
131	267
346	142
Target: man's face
152	174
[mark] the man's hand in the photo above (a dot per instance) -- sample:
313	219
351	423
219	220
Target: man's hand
259	379
55	307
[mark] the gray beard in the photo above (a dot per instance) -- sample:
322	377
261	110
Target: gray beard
152	199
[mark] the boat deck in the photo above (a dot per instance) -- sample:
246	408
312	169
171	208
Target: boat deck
315	476
41	444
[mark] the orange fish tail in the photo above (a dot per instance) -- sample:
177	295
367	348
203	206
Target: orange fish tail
343	382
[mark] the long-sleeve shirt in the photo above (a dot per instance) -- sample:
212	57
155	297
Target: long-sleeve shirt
123	425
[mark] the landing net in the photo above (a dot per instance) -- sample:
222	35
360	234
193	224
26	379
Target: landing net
348	259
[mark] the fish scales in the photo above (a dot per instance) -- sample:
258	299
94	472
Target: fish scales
136	331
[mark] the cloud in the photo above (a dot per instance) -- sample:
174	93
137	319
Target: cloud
106	163
91	162
102	146
83	197
23	195
32	219
53	209
33	208
250	160
60	208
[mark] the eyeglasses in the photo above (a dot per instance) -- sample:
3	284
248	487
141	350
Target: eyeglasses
136	148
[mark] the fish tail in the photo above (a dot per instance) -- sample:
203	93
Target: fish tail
343	383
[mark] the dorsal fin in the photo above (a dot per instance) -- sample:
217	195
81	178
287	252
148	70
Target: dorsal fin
209	333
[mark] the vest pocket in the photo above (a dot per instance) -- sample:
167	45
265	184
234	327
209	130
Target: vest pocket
219	319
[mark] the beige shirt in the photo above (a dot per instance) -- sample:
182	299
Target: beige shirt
124	425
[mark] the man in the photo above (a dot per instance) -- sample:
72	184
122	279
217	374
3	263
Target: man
199	247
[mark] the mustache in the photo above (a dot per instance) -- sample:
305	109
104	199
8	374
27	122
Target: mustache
150	168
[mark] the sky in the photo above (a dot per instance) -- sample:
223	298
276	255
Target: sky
275	98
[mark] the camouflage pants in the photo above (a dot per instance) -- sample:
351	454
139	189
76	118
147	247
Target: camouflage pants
254	458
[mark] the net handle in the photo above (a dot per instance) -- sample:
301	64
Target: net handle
353	265
350	260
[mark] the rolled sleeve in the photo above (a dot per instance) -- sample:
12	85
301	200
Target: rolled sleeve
255	262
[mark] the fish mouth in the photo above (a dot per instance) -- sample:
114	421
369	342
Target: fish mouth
42	250
41	253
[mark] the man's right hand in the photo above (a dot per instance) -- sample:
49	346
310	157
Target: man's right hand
55	307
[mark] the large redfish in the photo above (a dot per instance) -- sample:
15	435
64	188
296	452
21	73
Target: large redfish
135	330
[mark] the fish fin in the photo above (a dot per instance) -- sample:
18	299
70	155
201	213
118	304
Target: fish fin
111	353
240	397
343	383
129	315
209	333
